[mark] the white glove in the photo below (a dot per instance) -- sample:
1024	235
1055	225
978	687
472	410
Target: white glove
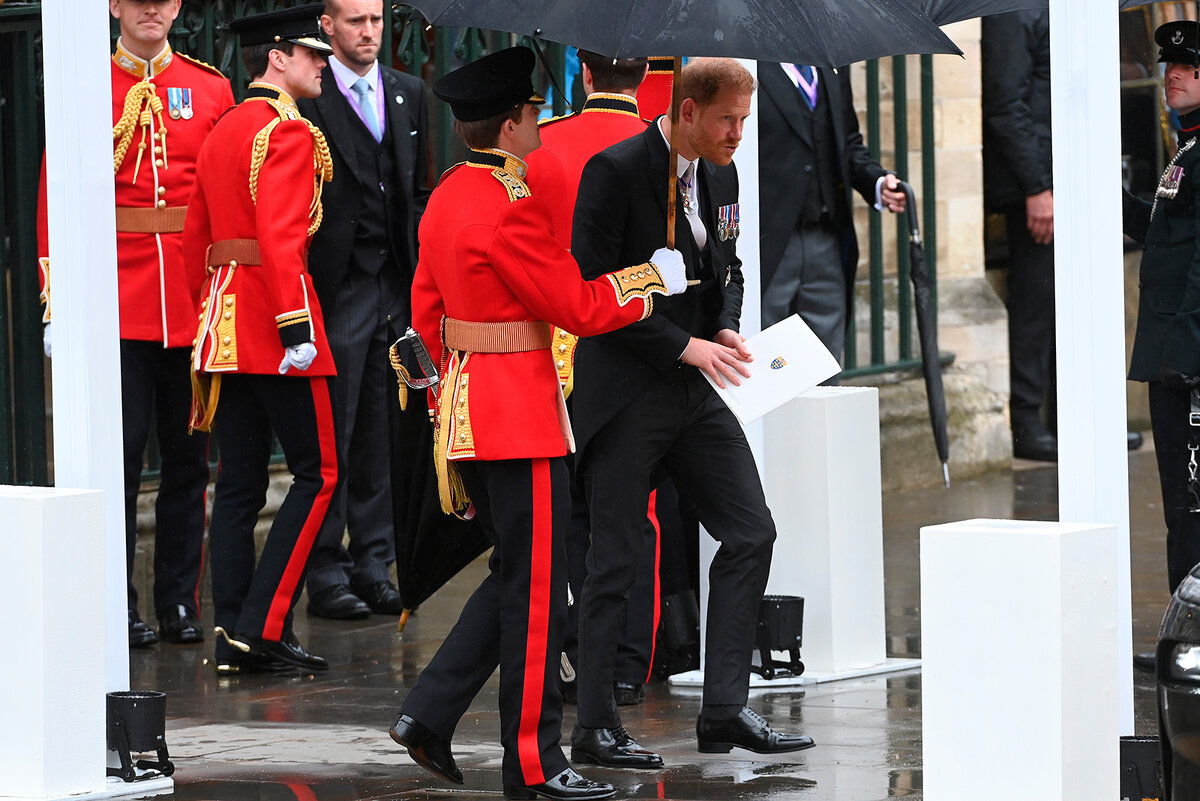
46	340
672	269
298	356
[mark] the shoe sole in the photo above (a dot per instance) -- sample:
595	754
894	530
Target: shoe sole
424	763
585	758
516	793
709	747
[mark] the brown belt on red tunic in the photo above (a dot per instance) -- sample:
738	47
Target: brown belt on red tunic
510	337
240	251
150	219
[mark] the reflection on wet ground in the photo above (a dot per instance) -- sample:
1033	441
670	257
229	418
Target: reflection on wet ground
324	738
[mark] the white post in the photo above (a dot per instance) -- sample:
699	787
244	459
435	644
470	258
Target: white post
52	727
83	263
1017	661
1089	286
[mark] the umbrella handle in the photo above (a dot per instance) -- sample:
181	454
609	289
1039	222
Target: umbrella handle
910	208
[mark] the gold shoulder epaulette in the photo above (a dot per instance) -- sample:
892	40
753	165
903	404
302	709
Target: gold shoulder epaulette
322	163
202	65
552	120
515	187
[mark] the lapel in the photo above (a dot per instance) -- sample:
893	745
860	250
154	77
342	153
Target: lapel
658	172
831	87
396	109
713	192
786	97
334	123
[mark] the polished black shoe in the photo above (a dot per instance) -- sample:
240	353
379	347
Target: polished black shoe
140	635
1145	661
382	597
628	694
566	786
748	730
1036	443
287	650
246	664
1133	439
338	603
613	748
176	624
430	751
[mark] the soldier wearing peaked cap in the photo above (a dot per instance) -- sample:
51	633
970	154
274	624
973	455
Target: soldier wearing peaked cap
164	105
260	357
490	282
1166	346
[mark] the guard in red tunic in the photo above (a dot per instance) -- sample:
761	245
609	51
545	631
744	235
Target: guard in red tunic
261	359
490	282
654	96
164	105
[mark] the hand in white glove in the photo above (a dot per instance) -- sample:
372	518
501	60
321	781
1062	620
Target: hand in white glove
672	269
46	340
299	356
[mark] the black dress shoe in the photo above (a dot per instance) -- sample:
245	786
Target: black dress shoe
245	665
628	693
382	597
287	650
338	603
430	751
1036	443
566	786
176	624
1133	439
1145	661
140	635
613	748
748	730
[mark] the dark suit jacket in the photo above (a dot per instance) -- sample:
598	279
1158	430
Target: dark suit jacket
620	220
1015	65
405	107
787	162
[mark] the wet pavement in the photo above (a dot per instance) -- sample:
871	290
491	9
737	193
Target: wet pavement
324	737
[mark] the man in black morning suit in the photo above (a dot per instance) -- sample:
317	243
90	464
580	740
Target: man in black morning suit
361	260
811	155
643	407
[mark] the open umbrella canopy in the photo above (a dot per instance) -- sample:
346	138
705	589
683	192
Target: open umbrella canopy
829	33
943	12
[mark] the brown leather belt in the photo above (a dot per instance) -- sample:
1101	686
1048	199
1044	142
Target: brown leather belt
242	251
511	337
150	220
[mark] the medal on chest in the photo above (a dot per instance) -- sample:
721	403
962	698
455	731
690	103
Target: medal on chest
729	222
179	103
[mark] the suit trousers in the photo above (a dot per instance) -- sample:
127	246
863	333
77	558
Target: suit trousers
257	599
1169	413
514	620
810	282
680	424
1030	318
156	386
359	335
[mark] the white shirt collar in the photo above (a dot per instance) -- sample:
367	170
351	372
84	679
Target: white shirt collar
681	164
346	76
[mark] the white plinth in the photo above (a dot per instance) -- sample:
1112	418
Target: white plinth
52	721
1018	634
821	461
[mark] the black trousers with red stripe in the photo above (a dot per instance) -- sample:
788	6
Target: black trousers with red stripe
252	598
156	386
514	620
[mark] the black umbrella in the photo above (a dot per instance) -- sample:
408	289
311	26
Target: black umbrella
931	365
828	33
431	547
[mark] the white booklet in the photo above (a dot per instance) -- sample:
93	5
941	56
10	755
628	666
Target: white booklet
788	360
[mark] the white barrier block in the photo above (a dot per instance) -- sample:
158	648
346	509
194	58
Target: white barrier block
1018	636
52	588
821	462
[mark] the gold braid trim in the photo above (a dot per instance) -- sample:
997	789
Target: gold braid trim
322	161
141	106
401	374
451	491
258	155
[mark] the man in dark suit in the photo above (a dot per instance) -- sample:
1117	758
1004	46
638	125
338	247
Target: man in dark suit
361	261
811	155
642	407
1166	348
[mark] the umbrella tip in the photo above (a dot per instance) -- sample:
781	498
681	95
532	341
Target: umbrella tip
946	474
403	621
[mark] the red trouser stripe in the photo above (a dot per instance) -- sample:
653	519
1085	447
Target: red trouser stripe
281	604
528	748
652	513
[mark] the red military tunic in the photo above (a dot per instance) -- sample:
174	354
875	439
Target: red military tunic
250	187
163	110
487	256
654	95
